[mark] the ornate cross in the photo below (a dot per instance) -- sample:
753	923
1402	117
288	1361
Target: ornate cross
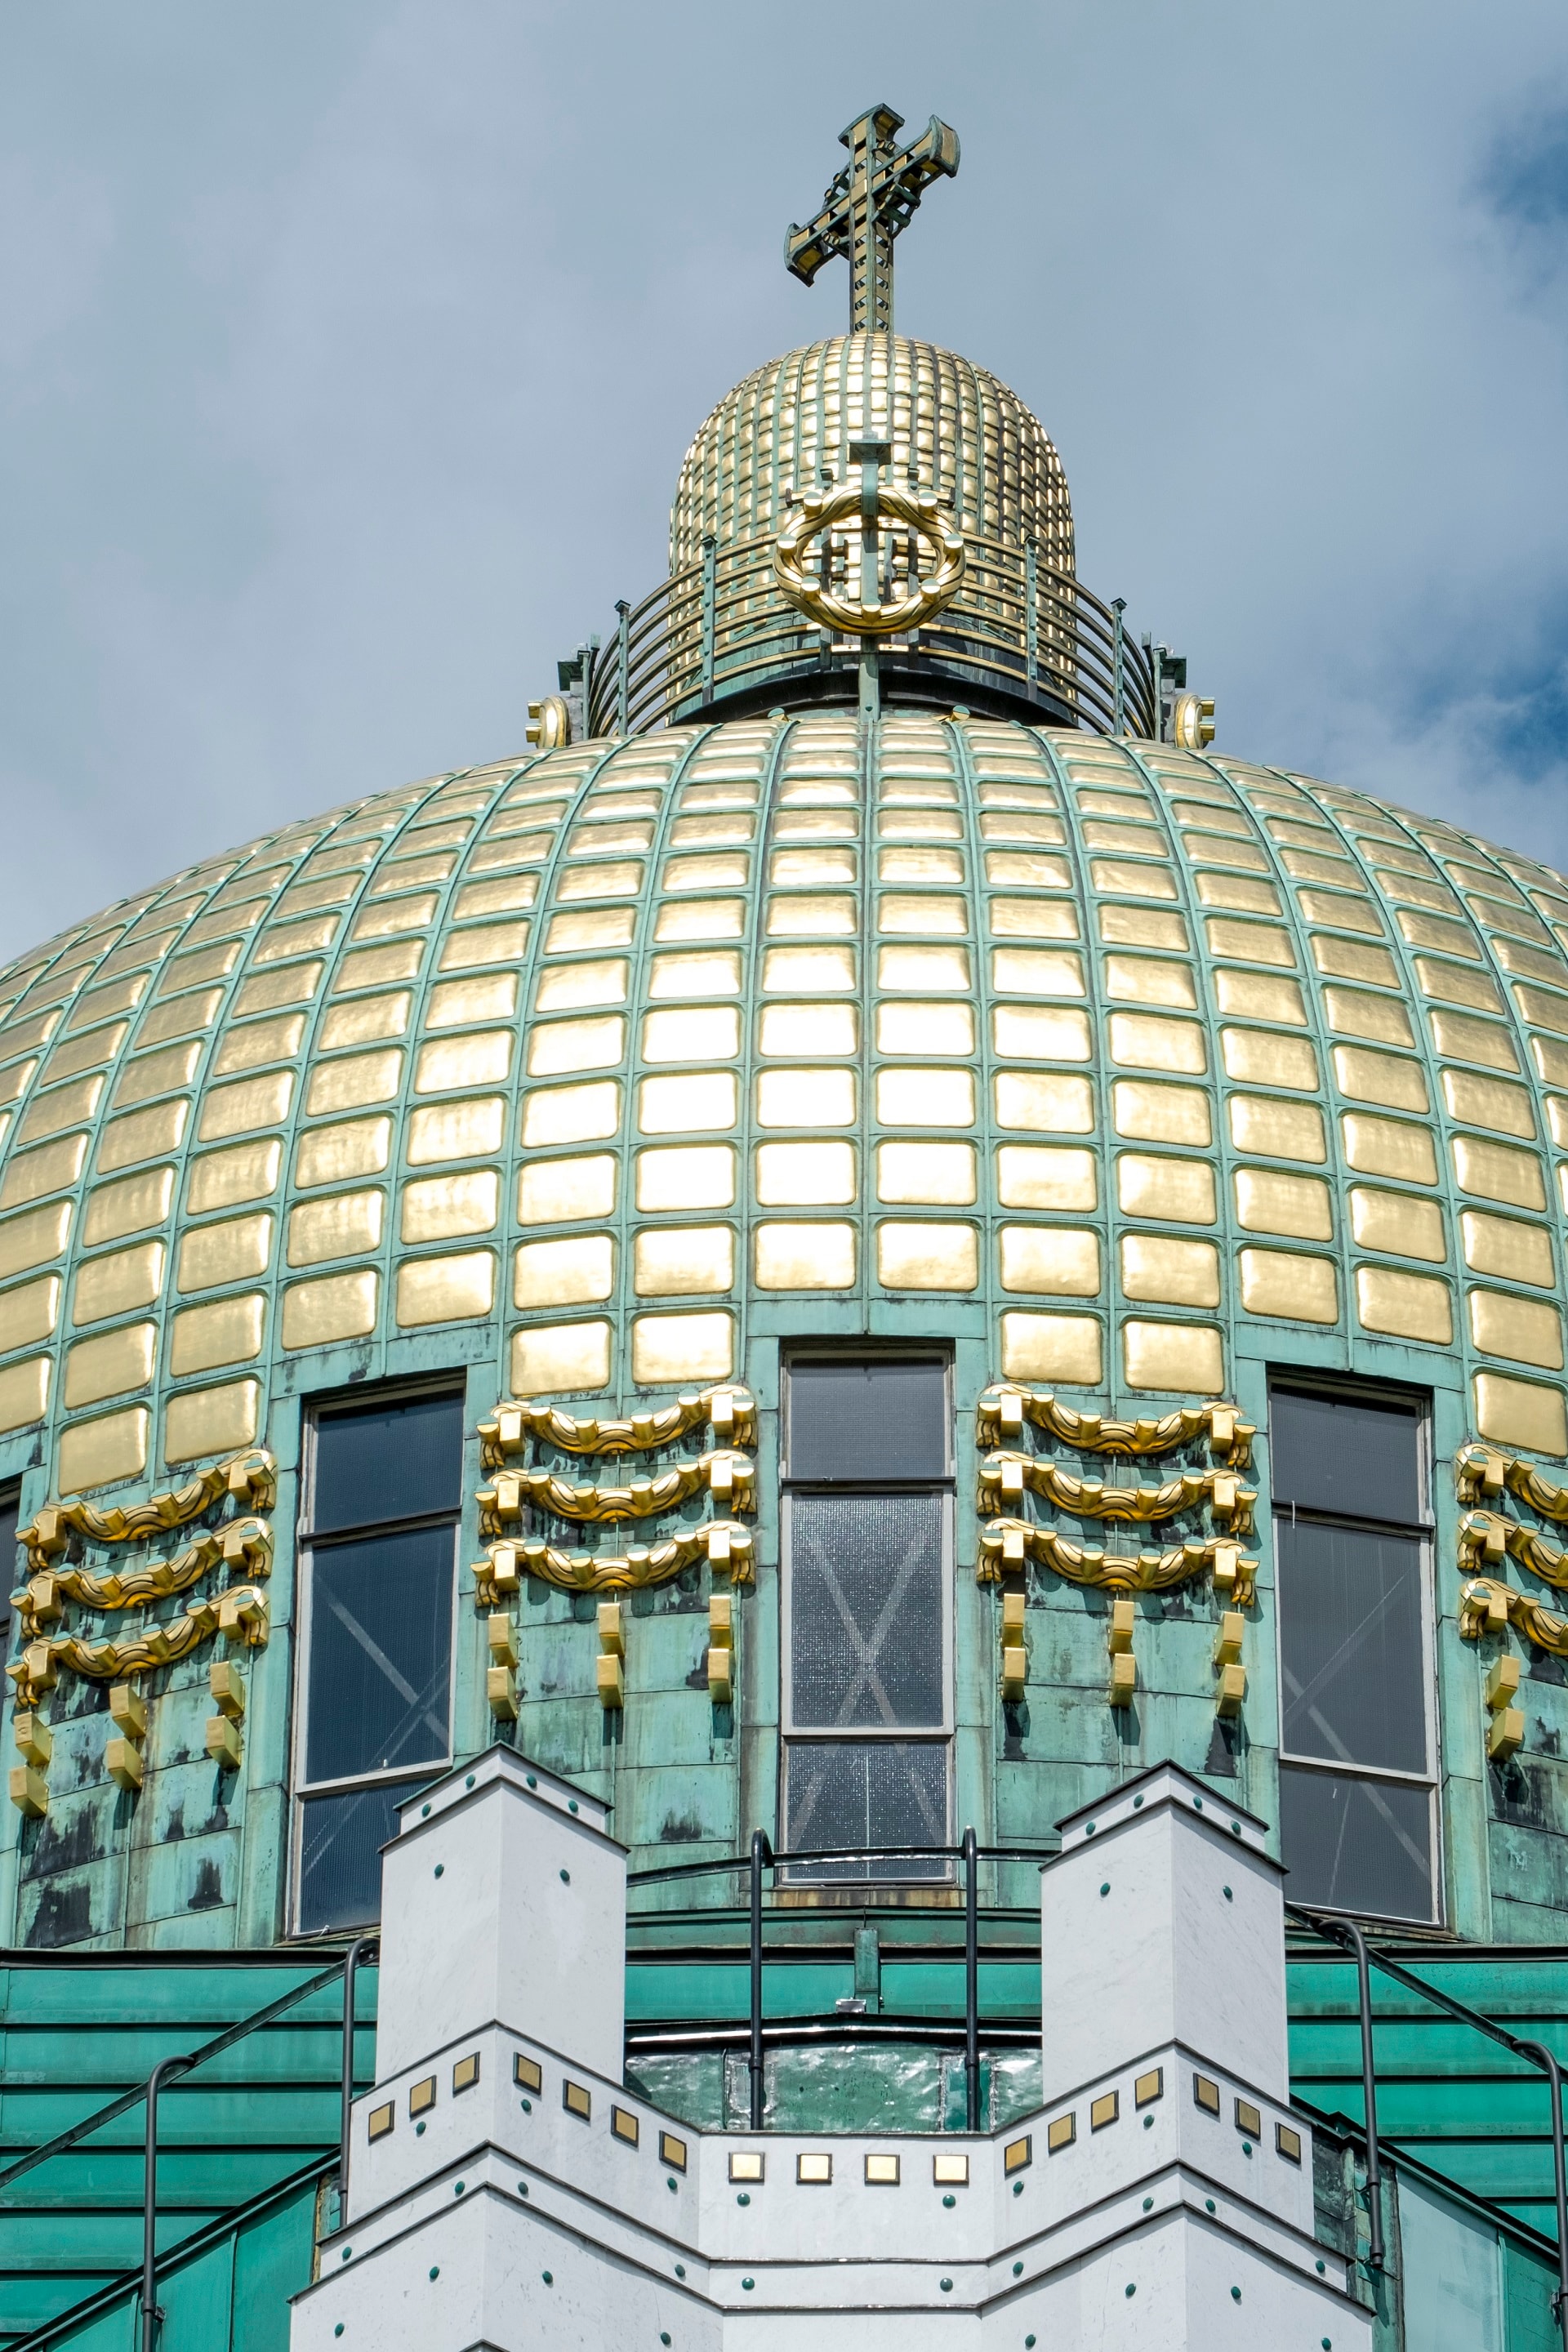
867	205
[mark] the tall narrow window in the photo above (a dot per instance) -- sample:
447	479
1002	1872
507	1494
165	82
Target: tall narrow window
378	1551
12	1569
1357	1790
867	1541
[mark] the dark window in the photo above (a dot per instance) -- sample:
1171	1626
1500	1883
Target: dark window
867	1521
11	1568
379	1554
1357	1794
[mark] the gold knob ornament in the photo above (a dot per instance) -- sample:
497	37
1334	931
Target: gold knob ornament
549	722
1192	721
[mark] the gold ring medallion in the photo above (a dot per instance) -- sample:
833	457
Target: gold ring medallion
818	512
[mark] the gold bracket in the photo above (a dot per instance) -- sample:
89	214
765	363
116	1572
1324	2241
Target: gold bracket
1003	1408
1006	1478
1007	1544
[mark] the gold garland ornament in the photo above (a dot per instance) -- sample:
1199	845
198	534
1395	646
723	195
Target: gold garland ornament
1483	1475
725	1544
1003	1408
250	1478
245	1545
239	1615
1004	1478
729	1412
820	510
1487	1606
1486	1540
727	1478
1007	1545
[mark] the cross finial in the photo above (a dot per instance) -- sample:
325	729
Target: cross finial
867	205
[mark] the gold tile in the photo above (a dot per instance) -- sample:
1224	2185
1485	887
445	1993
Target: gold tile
558	1046
669	1347
571	1115
1008	869
1036	1176
1040	919
1408	1306
931	1097
826	970
1038	1033
1506	1248
802	868
1042	1102
1296	1289
439	1208
807	917
337	1307
16	1080
99	1045
1398	1224
399	915
228	1332
714	873
920	913
364	1021
670	1260
1345	913
1249	942
351	1084
231	1110
1050	1259
1259	996
1268	1202
1147	1041
455	1130
1122	881
1387	1147
1468	1040
928	1256
1455	984
454	1002
373	967
150	1075
691	1032
39	1236
1171	1273
1489	1102
592	927
203	1422
106	1367
911	1028
1066	1348
689	1103
569	1273
516	893
30	1312
806	1098
1529	1330
492	943
1151	1113
1520	1412
1498	1172
708	918
549	1191
456	1289
560	1359
1042	972
602	980
815	1257
482	1058
803	1176
1383	1019
62	1108
341	1227
939	1175
916	863
678	1176
98	1453
1240	893
33	1174
1261	1057
1185	1357
328	1155
232	1251
1179	1189
808	1029
912	971
1143	927
716	973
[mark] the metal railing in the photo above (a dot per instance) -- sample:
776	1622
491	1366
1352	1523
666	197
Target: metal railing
724	624
761	1858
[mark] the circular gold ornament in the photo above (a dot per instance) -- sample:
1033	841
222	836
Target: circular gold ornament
818	511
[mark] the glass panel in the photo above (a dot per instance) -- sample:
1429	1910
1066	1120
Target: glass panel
866	1603
1362	1459
869	1420
380	1647
1351	1650
389	1462
340	1855
1357	1845
12	1569
868	1792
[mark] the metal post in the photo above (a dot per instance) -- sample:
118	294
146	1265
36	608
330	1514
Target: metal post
1538	2050
970	1981
1032	619
622	667
151	2315
1357	1942
361	1945
709	599
1118	673
761	1856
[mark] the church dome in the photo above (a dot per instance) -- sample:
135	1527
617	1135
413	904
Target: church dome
955	431
1131	1070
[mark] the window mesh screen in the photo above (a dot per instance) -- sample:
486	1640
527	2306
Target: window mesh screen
866	1611
868	1792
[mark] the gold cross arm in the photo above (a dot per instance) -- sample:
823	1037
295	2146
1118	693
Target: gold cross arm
869	203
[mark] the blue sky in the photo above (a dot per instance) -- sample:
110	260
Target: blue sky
347	353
